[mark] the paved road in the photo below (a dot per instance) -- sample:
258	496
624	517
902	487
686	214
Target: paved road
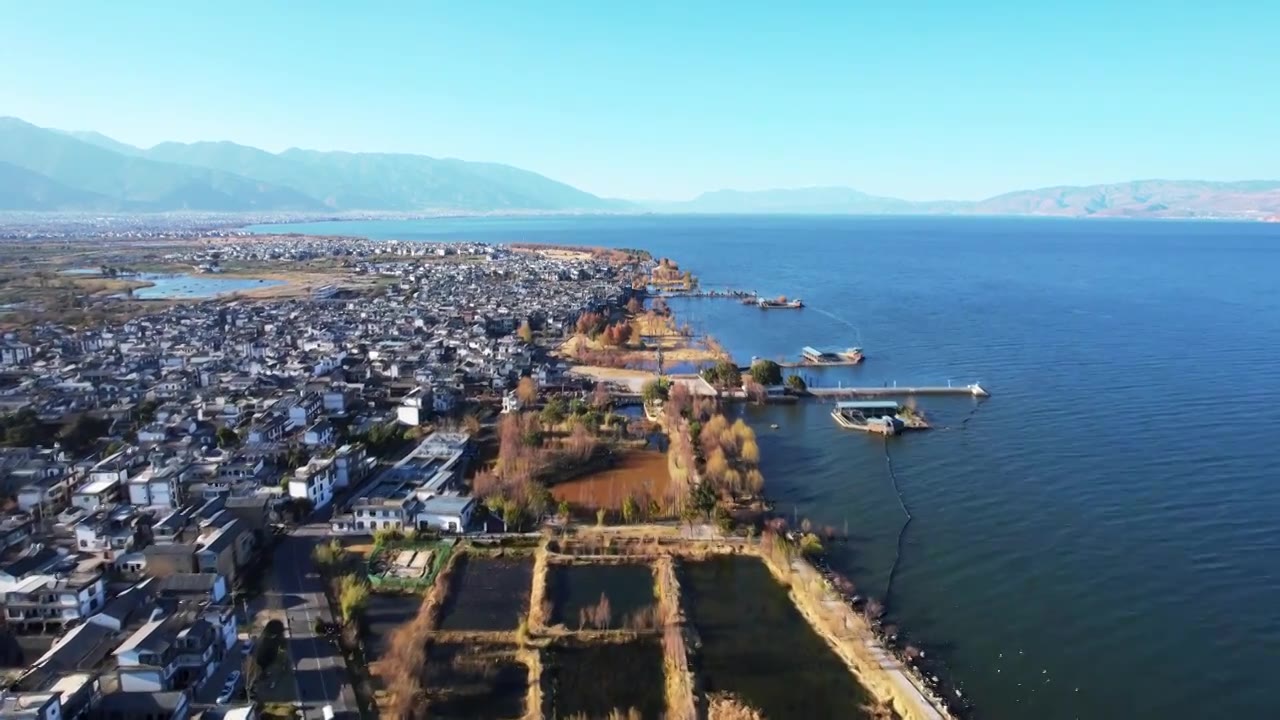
318	665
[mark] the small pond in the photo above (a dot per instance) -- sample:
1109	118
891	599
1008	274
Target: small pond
474	682
185	286
489	593
577	589
594	680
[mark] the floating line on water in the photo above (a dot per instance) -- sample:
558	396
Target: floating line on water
897	555
835	317
964	423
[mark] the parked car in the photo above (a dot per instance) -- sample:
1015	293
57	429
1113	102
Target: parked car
229	688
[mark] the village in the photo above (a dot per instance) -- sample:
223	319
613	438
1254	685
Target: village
148	465
213	507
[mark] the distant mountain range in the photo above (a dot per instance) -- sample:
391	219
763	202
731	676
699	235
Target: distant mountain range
44	169
1141	198
54	170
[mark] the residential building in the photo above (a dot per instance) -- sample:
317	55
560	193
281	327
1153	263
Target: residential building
44	603
314	482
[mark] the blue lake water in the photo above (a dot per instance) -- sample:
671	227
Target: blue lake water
186	287
1101	539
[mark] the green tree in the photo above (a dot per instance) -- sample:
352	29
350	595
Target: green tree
563	509
796	383
655	390
702	499
810	545
724	373
329	556
766	372
553	413
630	511
227	438
723	520
353	597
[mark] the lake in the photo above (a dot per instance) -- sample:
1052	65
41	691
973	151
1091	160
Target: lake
1101	538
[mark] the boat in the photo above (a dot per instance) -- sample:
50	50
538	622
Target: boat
848	356
779	303
773	426
875	416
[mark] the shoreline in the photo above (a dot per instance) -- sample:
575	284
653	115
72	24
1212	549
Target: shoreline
870	656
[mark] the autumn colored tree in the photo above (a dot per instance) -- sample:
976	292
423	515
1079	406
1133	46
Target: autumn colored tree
635	306
525	332
527	391
591	323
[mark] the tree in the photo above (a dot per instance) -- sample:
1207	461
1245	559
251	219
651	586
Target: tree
227	438
471	423
630	511
766	372
655	390
554	411
251	671
525	332
703	499
810	545
749	452
527	391
329	556
796	383
601	514
563	510
353	596
600	397
724	373
635	306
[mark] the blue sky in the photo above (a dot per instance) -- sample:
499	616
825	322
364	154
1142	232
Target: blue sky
661	99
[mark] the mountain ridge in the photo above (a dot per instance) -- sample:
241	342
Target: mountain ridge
1139	198
43	169
226	176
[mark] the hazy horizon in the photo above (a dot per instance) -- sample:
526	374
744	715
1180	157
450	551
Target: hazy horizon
669	100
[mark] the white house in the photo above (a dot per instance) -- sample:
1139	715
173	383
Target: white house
412	409
320	433
450	513
96	494
510	402
350	464
314	482
13	352
46	603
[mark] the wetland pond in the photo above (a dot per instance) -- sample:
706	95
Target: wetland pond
639	474
593	680
576	589
474	682
489	593
756	645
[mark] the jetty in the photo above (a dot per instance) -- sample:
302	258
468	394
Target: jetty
972	390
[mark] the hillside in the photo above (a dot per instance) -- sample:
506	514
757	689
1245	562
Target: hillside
22	189
223	176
